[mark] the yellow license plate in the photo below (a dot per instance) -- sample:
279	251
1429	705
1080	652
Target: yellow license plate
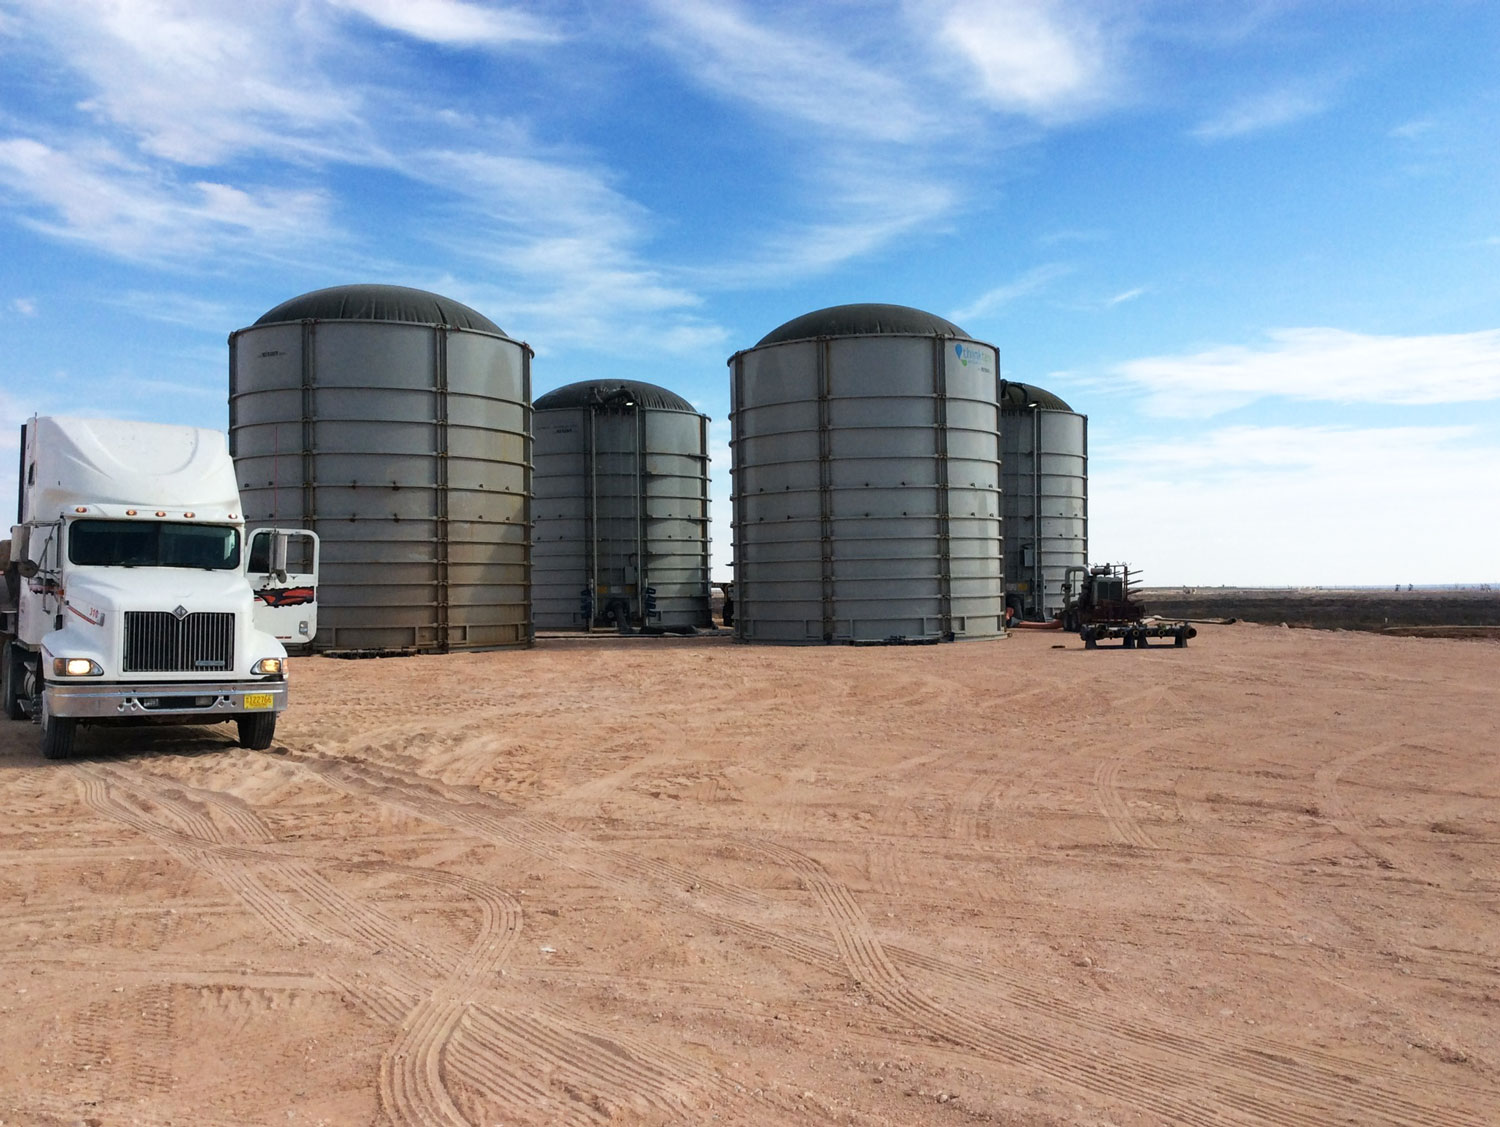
258	700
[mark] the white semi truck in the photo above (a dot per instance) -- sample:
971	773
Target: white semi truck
131	593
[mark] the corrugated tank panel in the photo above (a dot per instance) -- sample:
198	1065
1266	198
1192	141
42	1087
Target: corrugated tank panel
867	490
622	507
406	447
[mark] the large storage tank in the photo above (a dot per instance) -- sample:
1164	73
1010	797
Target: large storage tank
396	425
866	493
1044	448
620	519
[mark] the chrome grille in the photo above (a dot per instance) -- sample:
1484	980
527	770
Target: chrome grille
156	641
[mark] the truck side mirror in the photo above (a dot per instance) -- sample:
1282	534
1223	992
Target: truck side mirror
278	556
28	568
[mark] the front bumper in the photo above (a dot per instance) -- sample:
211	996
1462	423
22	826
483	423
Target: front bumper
205	700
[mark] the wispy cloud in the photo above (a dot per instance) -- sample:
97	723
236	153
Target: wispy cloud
176	308
1038	58
1331	365
25	306
1410	130
98	196
454	23
154	171
1032	282
1127	295
862	206
795	71
570	245
1299	505
1268	110
199	83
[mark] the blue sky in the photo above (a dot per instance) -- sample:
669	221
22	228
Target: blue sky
1257	243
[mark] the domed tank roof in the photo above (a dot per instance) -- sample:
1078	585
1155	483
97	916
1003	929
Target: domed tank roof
590	393
380	303
863	320
1020	396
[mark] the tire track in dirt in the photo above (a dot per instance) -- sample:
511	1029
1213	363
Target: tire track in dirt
54	1110
502	823
1347	823
601	1079
1114	808
873	971
492	820
386	1000
1241	1051
1122	821
342	916
1141	1082
104	799
591	1056
1147	1072
411	1083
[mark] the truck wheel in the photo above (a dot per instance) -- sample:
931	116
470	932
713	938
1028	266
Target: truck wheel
256	730
57	736
11	675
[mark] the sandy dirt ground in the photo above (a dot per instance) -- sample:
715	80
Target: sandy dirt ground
686	881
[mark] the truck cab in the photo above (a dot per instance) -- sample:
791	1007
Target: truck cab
130	594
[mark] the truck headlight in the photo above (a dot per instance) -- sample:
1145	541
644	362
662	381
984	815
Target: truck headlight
76	667
268	665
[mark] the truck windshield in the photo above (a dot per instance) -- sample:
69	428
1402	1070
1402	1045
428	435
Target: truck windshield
139	543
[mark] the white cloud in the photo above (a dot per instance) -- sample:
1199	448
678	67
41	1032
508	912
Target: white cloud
174	308
25	306
198	83
796	73
98	196
867	206
1033	281
1037	58
452	22
1127	295
1288	505
569	243
1330	365
1260	112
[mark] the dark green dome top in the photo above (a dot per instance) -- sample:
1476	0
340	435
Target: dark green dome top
863	320
598	393
1021	396
380	303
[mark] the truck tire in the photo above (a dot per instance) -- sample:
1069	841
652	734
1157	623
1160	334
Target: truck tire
256	730
12	673
57	736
